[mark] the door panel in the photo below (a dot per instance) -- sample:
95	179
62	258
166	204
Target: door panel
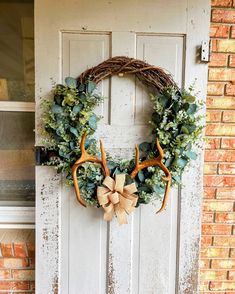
130	243
77	251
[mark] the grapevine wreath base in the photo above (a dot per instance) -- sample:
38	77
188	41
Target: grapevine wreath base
118	186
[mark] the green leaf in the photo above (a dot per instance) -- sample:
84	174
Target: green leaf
144	188
168	162
141	176
74	131
72	145
189	98
156	118
145	146
191	155
111	164
81	88
56	109
71	82
158	189
90	87
93	122
176	107
184	130
192	109
191	128
181	162
77	109
163	100
177	179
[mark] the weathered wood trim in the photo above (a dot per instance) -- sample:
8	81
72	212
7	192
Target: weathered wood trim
198	24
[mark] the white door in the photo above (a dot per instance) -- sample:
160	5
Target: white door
78	252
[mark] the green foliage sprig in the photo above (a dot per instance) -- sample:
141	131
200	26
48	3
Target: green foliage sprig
175	122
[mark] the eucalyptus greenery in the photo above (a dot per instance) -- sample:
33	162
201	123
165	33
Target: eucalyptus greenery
175	122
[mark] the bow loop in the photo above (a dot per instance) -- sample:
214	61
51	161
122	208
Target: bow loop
115	198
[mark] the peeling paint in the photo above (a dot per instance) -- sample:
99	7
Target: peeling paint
111	280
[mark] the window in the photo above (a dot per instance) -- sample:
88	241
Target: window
17	177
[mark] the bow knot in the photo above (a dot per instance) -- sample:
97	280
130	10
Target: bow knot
115	198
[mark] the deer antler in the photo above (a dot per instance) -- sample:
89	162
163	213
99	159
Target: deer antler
154	162
90	158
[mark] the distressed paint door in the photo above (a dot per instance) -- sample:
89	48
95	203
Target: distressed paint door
77	252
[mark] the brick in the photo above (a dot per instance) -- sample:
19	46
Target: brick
32	286
221	74
232	60
230	89
204	263
218	59
217	206
204	286
232	253
20	250
215	89
220	129
222	286
13	262
5	274
223	263
21	274
213	45
228	116
227	168
206	241
213	275
225	193
12	285
224	241
6	250
222	15
212	143
233	32
221	103
219	155
227	46
216	229
31	250
212	252
213	115
219	31
231	275
210	168
209	193
221	3
225	217
228	143
219	181
207	217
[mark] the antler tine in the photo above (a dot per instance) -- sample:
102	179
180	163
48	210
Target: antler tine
154	162
84	158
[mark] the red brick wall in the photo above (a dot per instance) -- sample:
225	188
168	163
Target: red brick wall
218	239
17	263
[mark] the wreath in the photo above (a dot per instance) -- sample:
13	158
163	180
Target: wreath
119	185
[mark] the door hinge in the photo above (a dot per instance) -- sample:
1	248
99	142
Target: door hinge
205	51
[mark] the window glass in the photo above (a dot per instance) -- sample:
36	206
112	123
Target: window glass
17	176
16	50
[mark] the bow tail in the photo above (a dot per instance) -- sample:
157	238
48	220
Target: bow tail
121	214
108	211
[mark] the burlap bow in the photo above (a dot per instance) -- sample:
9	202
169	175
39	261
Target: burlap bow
115	198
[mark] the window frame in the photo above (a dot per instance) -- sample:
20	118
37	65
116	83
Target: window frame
17	216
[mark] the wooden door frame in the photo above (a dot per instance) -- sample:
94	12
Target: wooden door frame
49	201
